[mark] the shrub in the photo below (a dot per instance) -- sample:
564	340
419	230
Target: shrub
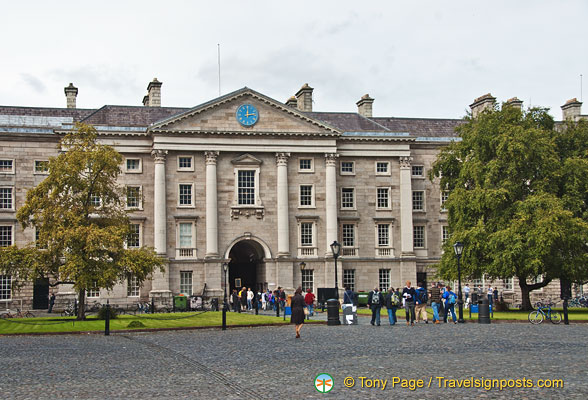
102	313
136	324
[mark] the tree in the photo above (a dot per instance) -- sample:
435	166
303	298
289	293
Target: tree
79	214
518	198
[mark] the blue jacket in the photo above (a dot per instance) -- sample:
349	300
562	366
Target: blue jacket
446	295
419	292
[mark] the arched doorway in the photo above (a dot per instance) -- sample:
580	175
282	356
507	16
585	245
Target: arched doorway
246	261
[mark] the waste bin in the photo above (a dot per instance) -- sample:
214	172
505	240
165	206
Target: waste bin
349	314
483	311
180	303
333	312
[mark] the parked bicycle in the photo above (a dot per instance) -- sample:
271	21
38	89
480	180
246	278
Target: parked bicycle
143	308
544	311
579	301
18	314
69	310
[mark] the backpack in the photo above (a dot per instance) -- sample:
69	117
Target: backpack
394	299
451	298
376	298
423	296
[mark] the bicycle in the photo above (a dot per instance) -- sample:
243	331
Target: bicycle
69	311
18	314
544	311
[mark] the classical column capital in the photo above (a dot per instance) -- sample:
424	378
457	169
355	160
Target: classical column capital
211	157
282	159
405	162
159	155
331	159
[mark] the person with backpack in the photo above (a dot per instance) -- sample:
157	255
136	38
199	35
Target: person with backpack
450	299
392	302
409	297
422	297
375	301
436	301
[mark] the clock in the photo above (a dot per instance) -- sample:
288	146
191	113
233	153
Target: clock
247	115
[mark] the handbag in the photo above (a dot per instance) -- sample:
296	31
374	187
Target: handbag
306	312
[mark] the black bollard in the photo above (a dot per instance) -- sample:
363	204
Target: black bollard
225	307
107	320
483	311
565	310
333	312
278	310
152	305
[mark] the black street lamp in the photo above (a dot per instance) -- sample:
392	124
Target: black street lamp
302	266
336	248
333	304
458	248
225	305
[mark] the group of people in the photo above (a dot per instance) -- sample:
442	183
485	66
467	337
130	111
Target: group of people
414	301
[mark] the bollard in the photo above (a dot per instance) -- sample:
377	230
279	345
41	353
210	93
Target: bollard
483	311
152	305
333	312
278	310
107	320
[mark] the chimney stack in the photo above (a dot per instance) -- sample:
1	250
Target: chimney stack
481	104
71	92
514	102
304	98
153	98
572	109
364	106
292	102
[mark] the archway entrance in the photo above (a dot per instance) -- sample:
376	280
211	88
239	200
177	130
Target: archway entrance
244	268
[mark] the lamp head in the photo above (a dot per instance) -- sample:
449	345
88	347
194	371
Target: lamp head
335	248
458	248
302	265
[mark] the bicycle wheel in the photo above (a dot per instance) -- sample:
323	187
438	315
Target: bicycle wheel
535	317
5	315
555	317
29	314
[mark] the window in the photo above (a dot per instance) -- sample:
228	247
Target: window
246	187
444	197
347	168
418	171
382	168
384	280
307	280
186	240
6	236
306	239
444	234
6	199
134	198
133	286
418	200
478	282
348	235
185	163
418	236
383	235
305	165
94	291
185	195
349	278
41	167
347	198
6	166
383	198
133	166
508	284
186	282
95	201
306	196
134	237
5	287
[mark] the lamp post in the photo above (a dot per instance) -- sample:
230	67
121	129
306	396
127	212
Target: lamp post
302	266
225	306
458	248
336	248
333	304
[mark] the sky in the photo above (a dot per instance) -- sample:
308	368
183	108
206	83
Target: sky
426	59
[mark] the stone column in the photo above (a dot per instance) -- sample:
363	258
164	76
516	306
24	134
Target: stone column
211	205
406	206
331	200
159	212
282	196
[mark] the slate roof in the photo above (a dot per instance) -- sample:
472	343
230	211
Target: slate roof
421	127
76	113
131	115
347	122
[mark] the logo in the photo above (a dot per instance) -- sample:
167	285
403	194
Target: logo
323	383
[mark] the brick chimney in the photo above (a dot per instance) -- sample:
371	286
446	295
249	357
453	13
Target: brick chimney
292	102
364	106
153	98
514	102
304	98
71	92
572	109
482	103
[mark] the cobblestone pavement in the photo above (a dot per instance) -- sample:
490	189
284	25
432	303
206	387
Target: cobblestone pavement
268	362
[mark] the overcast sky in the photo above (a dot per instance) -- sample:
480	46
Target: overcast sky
416	58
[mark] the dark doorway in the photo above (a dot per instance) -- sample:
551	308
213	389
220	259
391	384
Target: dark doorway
243	266
422	278
41	294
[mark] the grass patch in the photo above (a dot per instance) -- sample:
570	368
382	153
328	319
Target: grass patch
150	321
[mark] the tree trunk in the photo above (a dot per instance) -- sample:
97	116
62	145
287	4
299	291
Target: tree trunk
526	300
81	305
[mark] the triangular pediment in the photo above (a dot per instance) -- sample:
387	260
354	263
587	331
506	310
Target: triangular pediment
246	159
219	117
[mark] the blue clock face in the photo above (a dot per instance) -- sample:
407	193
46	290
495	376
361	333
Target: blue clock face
247	115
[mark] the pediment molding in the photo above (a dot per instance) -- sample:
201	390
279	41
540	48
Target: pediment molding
246	160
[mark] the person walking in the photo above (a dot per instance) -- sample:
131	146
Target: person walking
422	297
375	301
298	305
436	301
490	294
409	295
450	299
264	301
392	302
51	302
250	296
348	296
235	301
309	301
466	291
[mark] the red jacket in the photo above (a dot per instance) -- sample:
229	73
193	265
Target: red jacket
309	298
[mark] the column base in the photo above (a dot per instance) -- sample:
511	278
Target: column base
211	255
284	255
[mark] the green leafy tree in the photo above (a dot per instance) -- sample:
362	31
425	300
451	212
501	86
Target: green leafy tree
518	198
79	213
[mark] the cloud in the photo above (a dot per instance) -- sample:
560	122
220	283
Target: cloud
35	83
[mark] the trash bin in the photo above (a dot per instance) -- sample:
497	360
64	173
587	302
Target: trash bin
180	303
483	311
333	312
349	314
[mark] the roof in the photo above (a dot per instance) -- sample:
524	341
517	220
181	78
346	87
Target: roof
131	115
421	127
347	122
75	113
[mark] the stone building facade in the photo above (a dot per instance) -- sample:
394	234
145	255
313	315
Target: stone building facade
263	186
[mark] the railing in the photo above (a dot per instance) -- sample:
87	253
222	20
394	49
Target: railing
349	251
307	251
186	252
383	252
